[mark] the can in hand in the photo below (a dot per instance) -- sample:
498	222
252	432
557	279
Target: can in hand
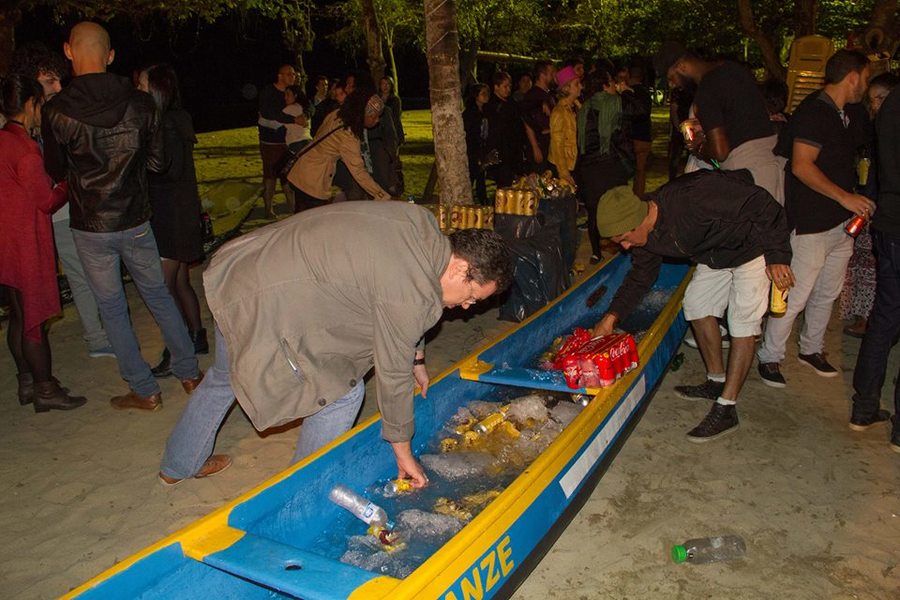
855	225
777	302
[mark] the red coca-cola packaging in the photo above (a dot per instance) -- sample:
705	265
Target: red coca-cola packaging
596	362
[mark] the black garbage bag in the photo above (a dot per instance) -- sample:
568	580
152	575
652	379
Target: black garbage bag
540	274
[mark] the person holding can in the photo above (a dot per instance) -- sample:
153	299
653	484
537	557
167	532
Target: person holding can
822	140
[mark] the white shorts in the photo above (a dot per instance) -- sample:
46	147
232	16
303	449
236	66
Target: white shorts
743	290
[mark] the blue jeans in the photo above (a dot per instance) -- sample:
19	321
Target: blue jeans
194	436
94	336
101	255
881	331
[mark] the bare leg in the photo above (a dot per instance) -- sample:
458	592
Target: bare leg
709	341
268	195
740	357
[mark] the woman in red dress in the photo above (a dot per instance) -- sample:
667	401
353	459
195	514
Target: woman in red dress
27	254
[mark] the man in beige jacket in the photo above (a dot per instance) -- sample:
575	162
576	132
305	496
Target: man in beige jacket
305	307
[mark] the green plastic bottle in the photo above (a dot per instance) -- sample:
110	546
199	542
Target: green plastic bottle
706	550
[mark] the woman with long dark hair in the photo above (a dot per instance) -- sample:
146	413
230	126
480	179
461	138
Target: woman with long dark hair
599	167
176	205
27	256
475	124
339	138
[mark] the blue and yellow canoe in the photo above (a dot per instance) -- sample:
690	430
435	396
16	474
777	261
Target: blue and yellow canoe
274	541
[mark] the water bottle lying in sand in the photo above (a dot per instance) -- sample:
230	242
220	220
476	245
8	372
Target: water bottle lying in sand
707	550
364	510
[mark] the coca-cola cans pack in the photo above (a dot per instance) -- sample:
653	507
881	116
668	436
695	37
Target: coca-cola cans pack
596	361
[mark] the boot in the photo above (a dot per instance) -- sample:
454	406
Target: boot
49	396
164	368
26	388
201	344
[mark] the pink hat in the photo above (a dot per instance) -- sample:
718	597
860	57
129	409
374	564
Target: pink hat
565	75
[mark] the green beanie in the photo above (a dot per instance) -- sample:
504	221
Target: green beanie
619	211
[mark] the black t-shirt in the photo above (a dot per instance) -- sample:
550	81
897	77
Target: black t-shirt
728	97
838	135
640	125
536	106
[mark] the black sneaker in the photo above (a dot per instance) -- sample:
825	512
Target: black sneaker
719	421
771	374
862	423
818	363
708	390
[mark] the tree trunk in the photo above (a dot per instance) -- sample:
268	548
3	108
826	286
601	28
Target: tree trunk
766	44
374	55
442	51
883	32
389	42
806	16
9	18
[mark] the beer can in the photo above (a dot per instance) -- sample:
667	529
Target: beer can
470	217
855	225
521	202
500	201
490	422
777	302
862	170
479	218
488	217
531	204
455	216
442	216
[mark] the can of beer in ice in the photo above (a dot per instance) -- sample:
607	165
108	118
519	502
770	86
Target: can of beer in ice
490	422
778	302
855	225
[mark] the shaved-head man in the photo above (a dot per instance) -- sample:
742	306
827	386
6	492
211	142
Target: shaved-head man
103	135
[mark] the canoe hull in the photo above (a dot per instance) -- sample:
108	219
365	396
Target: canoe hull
268	543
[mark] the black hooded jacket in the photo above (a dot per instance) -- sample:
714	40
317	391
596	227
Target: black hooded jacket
103	135
715	218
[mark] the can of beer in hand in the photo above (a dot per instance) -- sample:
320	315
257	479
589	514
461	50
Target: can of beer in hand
855	225
777	302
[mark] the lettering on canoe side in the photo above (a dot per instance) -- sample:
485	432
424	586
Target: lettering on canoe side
485	575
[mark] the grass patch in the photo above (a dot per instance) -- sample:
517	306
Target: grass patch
233	155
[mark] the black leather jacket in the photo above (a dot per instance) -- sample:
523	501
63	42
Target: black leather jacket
103	136
715	218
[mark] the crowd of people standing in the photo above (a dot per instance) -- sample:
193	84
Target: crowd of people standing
764	201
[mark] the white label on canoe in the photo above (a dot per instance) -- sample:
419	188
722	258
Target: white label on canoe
577	472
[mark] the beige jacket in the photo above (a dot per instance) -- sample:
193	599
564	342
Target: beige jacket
309	304
314	171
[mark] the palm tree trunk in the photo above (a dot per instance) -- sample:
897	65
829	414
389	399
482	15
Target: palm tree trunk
442	51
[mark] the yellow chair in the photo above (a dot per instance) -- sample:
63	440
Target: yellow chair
806	68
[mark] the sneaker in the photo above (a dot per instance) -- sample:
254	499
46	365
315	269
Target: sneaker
858	423
818	363
708	390
718	422
771	374
692	342
106	352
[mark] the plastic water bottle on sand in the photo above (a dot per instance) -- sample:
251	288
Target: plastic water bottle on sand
706	550
364	510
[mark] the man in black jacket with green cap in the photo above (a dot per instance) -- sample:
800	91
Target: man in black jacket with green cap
738	236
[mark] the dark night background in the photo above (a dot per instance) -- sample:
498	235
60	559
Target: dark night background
216	62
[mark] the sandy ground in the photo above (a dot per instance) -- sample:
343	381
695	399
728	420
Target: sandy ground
817	503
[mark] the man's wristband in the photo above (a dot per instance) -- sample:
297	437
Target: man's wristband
418	361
